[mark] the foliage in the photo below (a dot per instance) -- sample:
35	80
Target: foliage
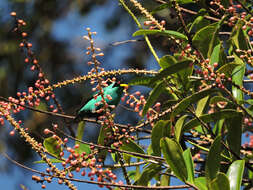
193	120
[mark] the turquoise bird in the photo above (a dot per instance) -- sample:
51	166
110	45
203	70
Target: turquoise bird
112	95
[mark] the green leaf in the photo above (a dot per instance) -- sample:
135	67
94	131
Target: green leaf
82	147
184	1
214	41
165	180
103	130
183	79
184	104
115	157
131	146
153	95
206	118
207	150
216	99
143	81
235	174
131	174
212	165
238	38
161	7
215	56
167	33
198	23
237	78
199	146
189	165
221	182
201	105
207	35
201	183
228	68
234	135
161	129
52	146
53	160
173	154
166	61
178	127
172	69
218	126
148	173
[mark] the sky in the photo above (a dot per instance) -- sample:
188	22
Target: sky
71	28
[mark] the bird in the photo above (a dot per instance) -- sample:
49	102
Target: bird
112	96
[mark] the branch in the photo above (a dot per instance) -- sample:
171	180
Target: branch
93	182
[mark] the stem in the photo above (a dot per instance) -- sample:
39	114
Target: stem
139	26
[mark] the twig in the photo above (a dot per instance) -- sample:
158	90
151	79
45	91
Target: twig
126	41
69	116
244	7
144	156
125	165
139	26
122	164
190	11
201	78
94	182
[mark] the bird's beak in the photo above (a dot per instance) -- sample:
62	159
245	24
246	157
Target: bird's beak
124	85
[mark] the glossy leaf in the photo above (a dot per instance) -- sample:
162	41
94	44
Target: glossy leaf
212	165
172	69
143	81
215	41
207	150
184	1
201	183
216	99
218	126
167	61
168	33
103	130
82	147
165	180
204	36
148	173
153	95
198	23
228	68
53	160
237	78
235	174
183	79
215	56
234	134
184	104
161	7
221	182
131	174
131	146
238	38
201	105
179	126
189	165
52	146
223	114
161	129
173	154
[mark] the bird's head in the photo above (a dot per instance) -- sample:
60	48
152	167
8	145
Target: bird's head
119	84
